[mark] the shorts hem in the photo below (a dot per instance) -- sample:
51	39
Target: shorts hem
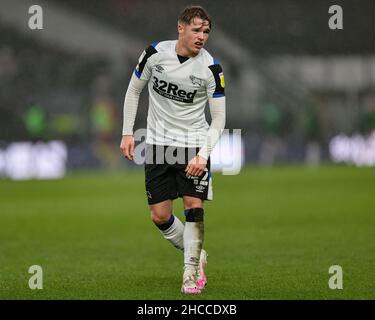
194	195
151	201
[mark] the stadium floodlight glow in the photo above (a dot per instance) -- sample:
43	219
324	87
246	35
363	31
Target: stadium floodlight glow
357	149
26	160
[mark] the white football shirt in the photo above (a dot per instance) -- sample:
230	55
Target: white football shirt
178	93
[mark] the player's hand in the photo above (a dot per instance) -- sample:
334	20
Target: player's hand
196	166
127	147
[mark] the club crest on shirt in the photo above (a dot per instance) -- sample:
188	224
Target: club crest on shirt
196	80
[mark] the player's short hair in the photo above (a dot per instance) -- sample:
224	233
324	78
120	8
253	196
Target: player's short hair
189	13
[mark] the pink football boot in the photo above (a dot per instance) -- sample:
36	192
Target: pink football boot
189	284
202	278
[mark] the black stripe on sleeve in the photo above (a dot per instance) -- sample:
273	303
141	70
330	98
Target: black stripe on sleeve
150	50
216	71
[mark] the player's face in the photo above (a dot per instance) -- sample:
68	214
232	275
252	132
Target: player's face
194	36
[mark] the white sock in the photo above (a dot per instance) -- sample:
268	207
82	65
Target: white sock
193	237
174	234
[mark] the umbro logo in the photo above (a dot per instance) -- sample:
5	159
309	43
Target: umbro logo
199	188
159	68
196	80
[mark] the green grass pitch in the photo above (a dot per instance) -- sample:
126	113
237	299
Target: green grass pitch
270	234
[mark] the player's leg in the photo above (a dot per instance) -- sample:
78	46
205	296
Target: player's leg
194	230
161	189
193	241
173	230
193	202
194	191
169	225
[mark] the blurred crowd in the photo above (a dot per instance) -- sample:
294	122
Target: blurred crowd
48	93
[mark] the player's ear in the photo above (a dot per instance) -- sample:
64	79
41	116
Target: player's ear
180	27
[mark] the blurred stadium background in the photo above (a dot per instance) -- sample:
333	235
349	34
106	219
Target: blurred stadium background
293	84
301	93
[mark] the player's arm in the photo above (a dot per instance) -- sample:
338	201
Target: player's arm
217	107
137	82
135	88
216	100
217	111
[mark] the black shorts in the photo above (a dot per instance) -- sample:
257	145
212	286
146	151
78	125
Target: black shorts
166	178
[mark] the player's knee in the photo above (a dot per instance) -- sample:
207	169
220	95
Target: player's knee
158	217
191	202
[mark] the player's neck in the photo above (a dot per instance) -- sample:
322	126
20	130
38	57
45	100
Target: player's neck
183	51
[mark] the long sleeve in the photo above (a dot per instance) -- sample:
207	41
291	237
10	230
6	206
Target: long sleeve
131	103
217	110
